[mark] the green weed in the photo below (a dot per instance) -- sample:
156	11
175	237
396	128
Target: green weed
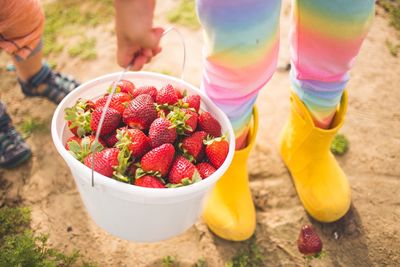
85	49
20	246
169	261
249	256
185	14
201	263
393	48
339	145
31	125
392	7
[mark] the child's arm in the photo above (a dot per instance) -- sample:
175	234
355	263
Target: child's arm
135	32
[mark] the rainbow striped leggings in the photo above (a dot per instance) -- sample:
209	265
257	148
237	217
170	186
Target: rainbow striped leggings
242	45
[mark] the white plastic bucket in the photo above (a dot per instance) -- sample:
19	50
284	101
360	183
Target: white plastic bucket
130	212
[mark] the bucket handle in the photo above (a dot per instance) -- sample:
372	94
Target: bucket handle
103	114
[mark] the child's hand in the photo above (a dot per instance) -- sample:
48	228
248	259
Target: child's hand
136	38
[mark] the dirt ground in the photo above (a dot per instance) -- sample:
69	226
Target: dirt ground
369	235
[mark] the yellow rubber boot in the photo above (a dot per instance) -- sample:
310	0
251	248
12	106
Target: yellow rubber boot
321	184
229	210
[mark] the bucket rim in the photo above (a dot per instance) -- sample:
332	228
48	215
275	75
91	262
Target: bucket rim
111	183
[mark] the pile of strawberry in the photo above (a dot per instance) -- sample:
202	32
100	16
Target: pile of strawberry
150	138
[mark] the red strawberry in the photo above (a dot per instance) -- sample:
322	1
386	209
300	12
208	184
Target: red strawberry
111	120
81	147
118	101
123	86
72	138
178	93
104	161
158	159
149	181
191	121
140	112
185	120
131	171
78	117
167	95
309	242
193	146
193	101
216	151
182	169
209	124
161	131
146	90
134	140
205	169
111	139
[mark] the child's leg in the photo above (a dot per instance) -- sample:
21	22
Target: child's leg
242	42
21	29
325	39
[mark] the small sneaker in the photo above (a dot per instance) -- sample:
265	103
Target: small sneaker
48	83
13	150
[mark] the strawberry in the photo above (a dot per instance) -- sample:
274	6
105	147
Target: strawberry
209	124
140	112
161	131
149	181
191	121
104	161
146	90
81	147
111	120
216	151
167	95
71	139
193	101
193	146
134	140
185	120
131	171
178	93
158	159
78	117
182	172
205	169
118	101
309	242
123	86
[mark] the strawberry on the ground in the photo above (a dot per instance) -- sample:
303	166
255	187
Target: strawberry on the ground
81	147
205	169
167	95
309	242
104	161
123	86
161	131
140	112
118	101
209	124
158	159
216	151
149	181
134	140
111	120
185	120
193	101
146	90
193	146
183	172
78	117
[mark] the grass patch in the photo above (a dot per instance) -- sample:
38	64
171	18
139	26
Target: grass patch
392	7
169	261
85	49
31	125
339	145
69	17
249	256
201	263
185	15
20	246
